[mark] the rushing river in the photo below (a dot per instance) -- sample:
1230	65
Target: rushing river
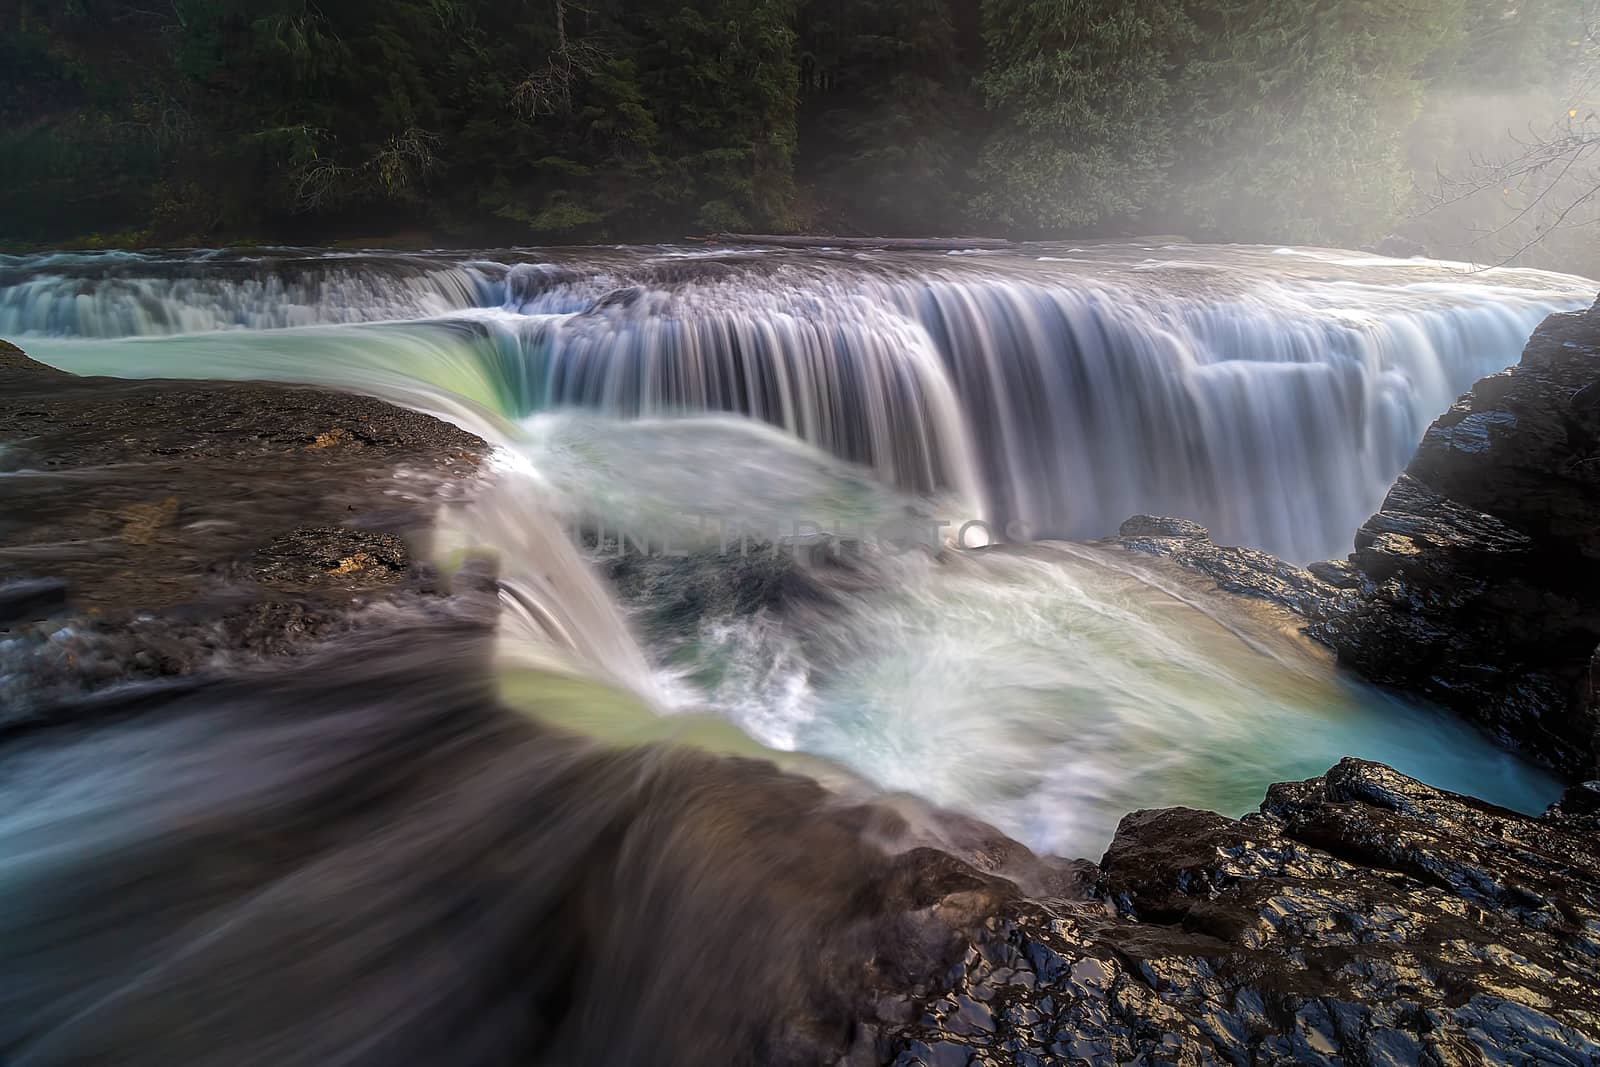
1271	394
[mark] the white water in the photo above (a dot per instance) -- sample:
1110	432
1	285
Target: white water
1271	395
1049	690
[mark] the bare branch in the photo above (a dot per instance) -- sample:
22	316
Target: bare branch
548	90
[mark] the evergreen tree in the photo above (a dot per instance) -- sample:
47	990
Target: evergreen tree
890	120
1294	116
1081	92
198	121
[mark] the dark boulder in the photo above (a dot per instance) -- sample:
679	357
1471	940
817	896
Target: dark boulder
1482	569
1360	917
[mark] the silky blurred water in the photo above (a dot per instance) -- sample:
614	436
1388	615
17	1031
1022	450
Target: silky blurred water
1270	394
1048	688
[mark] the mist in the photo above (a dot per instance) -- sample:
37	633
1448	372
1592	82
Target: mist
450	123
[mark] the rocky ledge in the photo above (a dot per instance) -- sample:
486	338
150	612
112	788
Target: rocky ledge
1478	583
1360	917
152	528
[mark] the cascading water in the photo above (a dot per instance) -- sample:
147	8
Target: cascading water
1048	690
131	294
1272	397
1271	394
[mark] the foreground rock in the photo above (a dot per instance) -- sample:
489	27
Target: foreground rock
149	529
1360	917
365	858
1478	583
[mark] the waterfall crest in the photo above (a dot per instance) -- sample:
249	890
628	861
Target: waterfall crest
1040	689
1272	395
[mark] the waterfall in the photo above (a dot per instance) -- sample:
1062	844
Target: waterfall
1272	395
1046	689
382	854
142	296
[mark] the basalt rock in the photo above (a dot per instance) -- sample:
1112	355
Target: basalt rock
1478	583
1482	571
1360	917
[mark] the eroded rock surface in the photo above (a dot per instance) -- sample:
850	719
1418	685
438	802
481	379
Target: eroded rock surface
150	529
1360	917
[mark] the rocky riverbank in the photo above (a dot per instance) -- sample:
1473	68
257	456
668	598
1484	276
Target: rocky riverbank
1477	585
1360	917
150	529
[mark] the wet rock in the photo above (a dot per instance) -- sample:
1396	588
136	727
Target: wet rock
1340	574
1483	567
200	525
15	365
1312	594
1141	526
142	523
1360	917
313	556
32	600
1580	801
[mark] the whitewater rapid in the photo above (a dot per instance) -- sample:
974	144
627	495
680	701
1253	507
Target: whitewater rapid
1272	394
